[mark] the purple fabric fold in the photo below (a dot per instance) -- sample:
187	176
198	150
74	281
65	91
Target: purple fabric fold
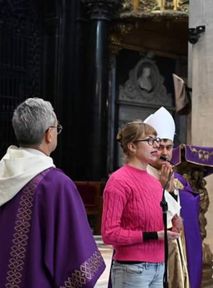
199	156
190	207
45	238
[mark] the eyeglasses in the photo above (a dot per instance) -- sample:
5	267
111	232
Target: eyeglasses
150	140
58	127
135	122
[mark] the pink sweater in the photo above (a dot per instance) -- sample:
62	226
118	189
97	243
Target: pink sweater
132	206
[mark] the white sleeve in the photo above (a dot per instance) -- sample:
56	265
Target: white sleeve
173	208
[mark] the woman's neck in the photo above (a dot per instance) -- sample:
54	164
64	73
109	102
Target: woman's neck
137	164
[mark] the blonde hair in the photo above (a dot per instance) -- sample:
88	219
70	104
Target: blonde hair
132	131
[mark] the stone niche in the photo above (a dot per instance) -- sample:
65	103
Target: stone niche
145	85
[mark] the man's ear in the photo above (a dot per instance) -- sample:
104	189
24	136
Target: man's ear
48	136
132	147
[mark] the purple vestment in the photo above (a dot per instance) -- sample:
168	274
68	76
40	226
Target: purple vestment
190	206
45	238
197	158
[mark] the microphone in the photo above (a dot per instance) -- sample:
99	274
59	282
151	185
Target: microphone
163	158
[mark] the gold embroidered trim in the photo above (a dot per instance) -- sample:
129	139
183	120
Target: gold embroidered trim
202	154
177	184
20	239
21	234
85	272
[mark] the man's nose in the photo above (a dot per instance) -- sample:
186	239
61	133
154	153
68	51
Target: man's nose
163	150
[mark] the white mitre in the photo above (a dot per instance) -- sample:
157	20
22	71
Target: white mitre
163	123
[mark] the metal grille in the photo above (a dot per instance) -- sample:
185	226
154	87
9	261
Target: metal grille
20	61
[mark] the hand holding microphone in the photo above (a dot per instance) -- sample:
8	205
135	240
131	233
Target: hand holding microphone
166	175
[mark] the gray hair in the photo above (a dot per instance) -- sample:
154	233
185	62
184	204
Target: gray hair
31	119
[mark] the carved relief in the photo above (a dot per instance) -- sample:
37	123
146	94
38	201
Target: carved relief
144	84
142	5
98	9
147	6
117	34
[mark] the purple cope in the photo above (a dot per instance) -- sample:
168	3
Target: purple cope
45	238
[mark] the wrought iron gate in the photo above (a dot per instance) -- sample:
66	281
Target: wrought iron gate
20	61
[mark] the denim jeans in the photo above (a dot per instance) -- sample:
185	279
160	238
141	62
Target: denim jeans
142	275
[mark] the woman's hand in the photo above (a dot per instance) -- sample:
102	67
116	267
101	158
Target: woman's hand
171	235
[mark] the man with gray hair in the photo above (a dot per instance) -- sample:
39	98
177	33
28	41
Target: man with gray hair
45	238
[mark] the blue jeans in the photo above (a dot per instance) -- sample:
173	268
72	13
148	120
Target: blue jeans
142	275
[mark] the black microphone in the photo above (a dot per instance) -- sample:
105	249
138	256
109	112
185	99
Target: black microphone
164	206
163	158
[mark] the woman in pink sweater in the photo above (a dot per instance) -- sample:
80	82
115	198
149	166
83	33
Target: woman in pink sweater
132	217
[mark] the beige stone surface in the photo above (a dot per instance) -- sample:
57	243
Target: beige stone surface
201	80
209	214
201	77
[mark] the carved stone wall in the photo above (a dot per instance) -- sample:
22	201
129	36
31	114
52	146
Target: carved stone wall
145	85
147	6
142	87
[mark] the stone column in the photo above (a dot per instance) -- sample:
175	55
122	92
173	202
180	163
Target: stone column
111	113
201	63
99	13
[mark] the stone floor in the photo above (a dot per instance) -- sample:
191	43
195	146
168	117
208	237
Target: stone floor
106	252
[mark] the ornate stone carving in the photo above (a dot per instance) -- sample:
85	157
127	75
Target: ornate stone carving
148	6
142	5
117	34
101	9
144	84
